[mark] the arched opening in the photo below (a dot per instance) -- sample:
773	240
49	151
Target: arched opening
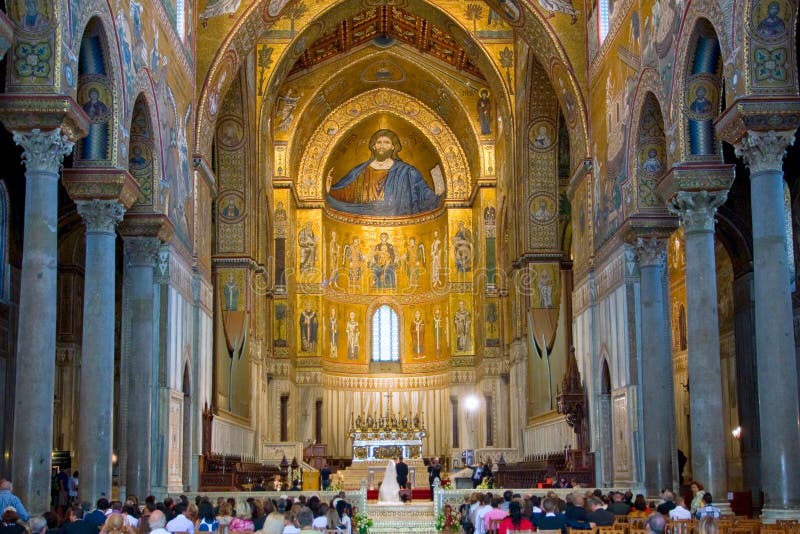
187	434
703	93
95	95
385	335
142	158
606	426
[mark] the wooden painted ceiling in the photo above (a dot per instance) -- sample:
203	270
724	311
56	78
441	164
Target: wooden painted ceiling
382	24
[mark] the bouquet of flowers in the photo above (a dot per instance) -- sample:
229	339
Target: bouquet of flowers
447	484
448	520
362	523
486	483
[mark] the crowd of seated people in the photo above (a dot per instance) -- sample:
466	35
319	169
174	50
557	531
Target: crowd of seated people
484	512
264	516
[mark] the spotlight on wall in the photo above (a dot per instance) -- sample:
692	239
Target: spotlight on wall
471	403
737	432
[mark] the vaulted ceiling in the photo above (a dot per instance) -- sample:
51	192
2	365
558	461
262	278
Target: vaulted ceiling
384	25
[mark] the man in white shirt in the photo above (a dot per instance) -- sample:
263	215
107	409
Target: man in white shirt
181	523
680	511
157	522
480	513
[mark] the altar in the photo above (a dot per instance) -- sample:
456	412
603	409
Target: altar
384	437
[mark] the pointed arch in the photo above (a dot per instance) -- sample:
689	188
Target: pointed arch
648	157
143	160
97	95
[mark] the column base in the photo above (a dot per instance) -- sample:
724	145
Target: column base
771	515
724	508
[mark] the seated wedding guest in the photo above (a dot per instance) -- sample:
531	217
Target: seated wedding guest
640	508
77	524
321	518
680	511
180	523
206	520
598	516
290	523
515	520
11	523
549	519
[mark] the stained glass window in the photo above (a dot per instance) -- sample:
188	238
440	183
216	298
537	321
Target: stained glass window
385	335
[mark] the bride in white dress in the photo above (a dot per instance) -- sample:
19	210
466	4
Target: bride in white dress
390	489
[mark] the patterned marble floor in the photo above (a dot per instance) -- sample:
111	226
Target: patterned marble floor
416	517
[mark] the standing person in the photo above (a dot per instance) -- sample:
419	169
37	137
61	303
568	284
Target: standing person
434	472
697	497
402	473
74	484
390	486
325	475
477	474
63	491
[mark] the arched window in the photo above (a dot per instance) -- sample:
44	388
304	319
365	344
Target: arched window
604	18
385	335
180	19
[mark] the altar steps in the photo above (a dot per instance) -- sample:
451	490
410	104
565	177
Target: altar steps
359	471
414	517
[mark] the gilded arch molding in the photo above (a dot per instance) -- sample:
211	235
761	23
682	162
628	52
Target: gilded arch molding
232	50
309	183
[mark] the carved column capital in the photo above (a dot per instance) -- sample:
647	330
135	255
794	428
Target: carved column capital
100	216
764	151
43	151
696	209
650	251
141	251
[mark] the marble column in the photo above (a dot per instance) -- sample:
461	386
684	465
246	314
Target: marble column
656	362
777	364
43	153
696	210
141	254
95	420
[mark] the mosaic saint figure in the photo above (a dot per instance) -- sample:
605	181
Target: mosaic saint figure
333	334
414	260
652	163
772	25
354	259
308	329
384	184
383	264
352	330
545	284
462	320
436	261
462	248
307	242
333	258
418	334
485	112
438	330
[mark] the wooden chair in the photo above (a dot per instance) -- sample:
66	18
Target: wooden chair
751	525
557	531
632	530
637	522
681	526
772	529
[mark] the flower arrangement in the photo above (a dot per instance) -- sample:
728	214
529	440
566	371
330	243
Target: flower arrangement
448	520
362	523
446	484
486	483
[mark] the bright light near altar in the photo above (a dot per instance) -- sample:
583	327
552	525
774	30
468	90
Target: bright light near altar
471	403
737	432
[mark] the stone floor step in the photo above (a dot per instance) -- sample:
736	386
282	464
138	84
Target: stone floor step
416	517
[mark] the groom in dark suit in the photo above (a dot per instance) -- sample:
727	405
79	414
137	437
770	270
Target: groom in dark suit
402	473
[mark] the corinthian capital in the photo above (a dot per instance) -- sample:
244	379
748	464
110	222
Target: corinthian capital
696	209
142	251
650	251
43	151
100	216
764	151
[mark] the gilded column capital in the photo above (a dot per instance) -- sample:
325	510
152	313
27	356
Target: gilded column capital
696	209
650	251
141	251
43	151
764	151
100	216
